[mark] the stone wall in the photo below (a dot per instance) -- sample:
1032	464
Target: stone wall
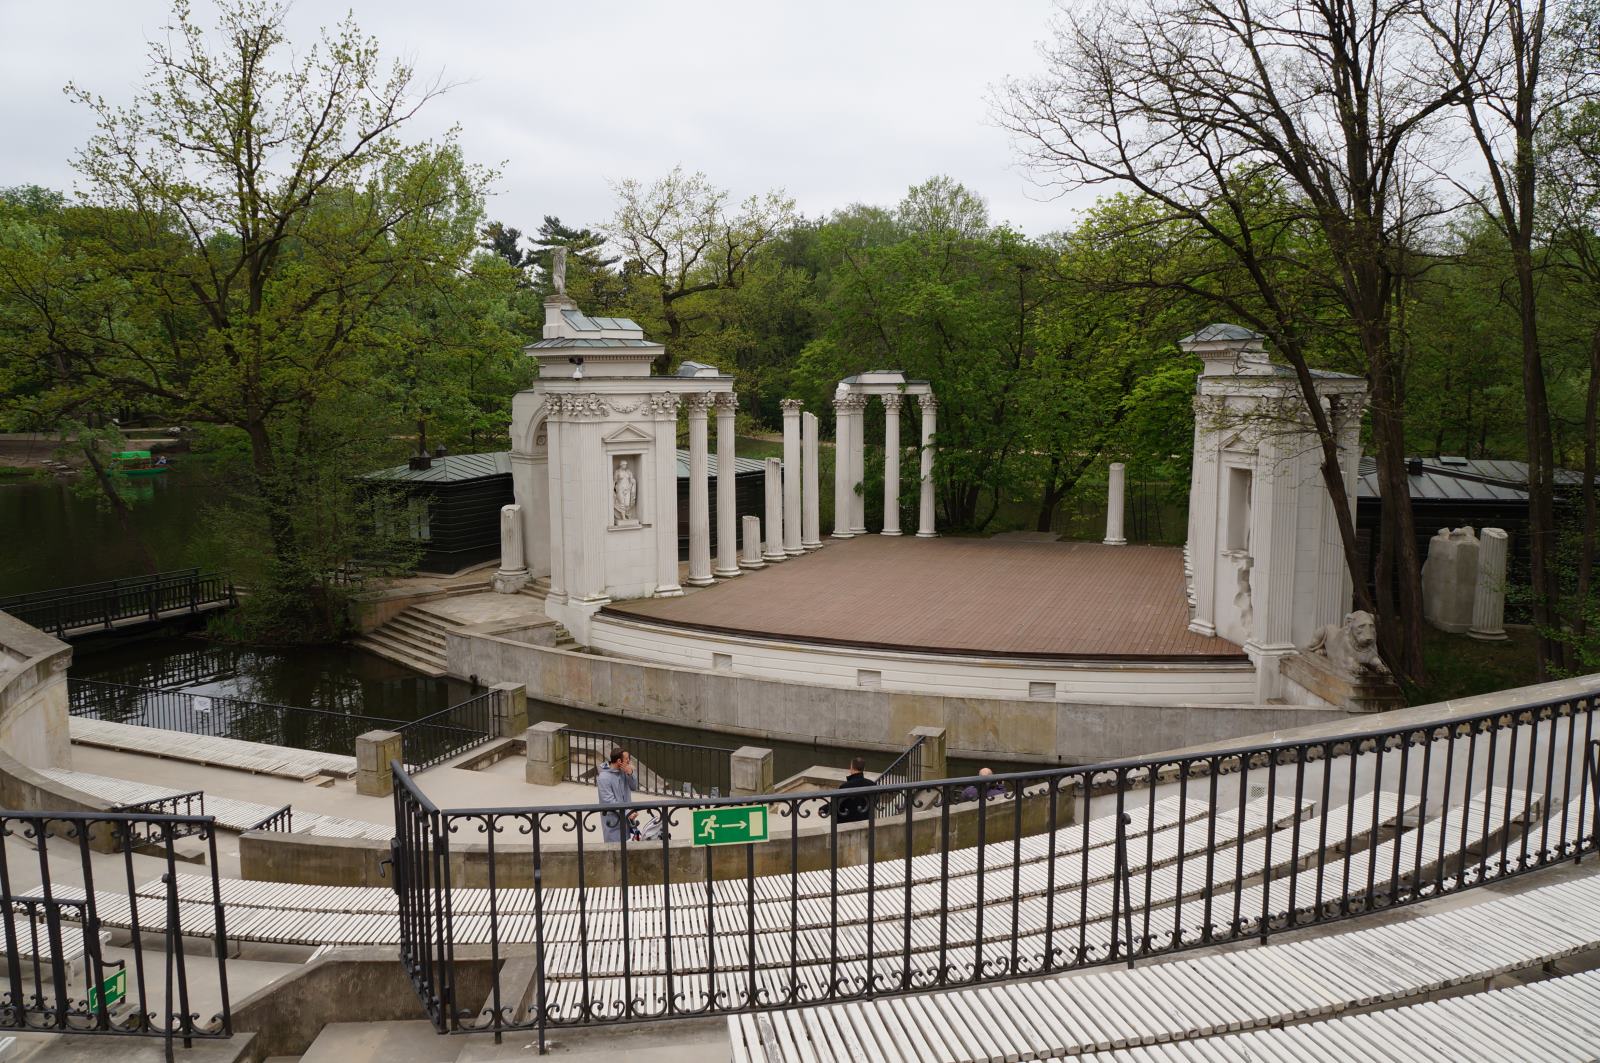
1042	731
33	695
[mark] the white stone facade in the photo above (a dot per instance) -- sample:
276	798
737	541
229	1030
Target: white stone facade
1267	563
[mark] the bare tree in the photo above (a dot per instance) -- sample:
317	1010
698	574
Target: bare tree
1503	58
1255	124
680	230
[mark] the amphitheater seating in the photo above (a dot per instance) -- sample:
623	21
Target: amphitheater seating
301	764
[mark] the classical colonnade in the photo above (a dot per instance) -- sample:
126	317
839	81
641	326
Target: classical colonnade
849	503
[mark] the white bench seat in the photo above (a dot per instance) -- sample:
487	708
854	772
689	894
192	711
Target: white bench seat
255	757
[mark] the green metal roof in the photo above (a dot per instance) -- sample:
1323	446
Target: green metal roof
459	468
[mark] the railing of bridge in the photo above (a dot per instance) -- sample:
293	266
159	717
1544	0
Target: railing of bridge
439	736
56	976
982	879
91	606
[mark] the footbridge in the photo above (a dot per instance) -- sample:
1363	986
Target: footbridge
114	605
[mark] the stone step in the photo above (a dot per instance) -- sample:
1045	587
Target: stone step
389	648
420	621
425	643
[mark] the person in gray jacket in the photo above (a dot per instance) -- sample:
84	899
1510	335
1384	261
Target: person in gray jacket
616	784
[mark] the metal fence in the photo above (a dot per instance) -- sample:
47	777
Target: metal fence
91	606
60	975
668	769
906	768
428	741
982	879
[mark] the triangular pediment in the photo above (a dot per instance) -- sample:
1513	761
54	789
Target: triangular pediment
630	434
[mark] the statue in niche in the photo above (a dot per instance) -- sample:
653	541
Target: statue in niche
624	495
1242	598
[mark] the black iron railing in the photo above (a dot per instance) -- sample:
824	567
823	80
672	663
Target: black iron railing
668	769
1034	873
187	806
56	976
436	738
906	768
280	820
103	606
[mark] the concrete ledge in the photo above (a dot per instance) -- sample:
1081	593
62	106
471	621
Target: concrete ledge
33	695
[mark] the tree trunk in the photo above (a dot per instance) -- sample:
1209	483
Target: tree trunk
1542	531
1587	542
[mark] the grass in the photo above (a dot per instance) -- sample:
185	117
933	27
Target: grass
1459	666
750	447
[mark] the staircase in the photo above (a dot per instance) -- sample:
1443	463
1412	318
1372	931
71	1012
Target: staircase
415	639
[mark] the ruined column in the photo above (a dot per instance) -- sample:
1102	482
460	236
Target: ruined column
930	422
513	574
791	477
1114	505
751	558
1489	601
699	492
774	522
810	490
891	464
727	496
843	509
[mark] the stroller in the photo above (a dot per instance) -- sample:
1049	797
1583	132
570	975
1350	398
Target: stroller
653	829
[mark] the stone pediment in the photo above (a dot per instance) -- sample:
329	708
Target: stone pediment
629	434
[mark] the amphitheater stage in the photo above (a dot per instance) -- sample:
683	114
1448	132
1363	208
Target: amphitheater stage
977	597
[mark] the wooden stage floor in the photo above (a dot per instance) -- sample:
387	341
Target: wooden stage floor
984	597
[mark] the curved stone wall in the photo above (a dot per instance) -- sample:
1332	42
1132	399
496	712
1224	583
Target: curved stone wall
33	695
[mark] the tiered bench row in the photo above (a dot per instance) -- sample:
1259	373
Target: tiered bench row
255	757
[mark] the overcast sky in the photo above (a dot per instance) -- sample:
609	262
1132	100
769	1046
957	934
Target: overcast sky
836	102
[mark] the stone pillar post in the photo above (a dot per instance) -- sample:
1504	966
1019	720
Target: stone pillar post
750	771
751	558
843	509
558	551
374	751
1114	505
699	492
774	523
791	477
930	422
664	511
935	764
548	754
727	492
513	574
858	464
891	464
510	710
1489	600
810	489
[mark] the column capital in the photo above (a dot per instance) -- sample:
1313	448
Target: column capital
698	403
725	402
791	407
841	403
893	400
856	402
927	402
663	404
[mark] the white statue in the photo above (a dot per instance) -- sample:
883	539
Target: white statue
558	269
1351	647
624	494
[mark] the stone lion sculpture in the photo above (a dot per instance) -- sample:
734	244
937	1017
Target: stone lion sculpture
1351	647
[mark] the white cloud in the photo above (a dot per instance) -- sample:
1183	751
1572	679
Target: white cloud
838	102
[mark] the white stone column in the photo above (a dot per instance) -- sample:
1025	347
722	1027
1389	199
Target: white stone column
1204	489
664	511
858	464
1489	599
727	491
843	509
810	491
774	521
558	552
1273	555
930	424
791	477
513	573
1114	505
751	558
891	464
699	492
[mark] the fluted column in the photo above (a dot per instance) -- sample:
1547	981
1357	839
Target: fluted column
810	492
558	551
891	464
791	477
699	492
1115	489
664	512
858	464
774	522
1489	599
751	557
727	497
843	509
930	424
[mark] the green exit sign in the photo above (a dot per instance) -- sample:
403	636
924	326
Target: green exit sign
730	826
113	990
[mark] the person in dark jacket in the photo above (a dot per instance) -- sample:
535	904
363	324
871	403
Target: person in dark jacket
853	809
